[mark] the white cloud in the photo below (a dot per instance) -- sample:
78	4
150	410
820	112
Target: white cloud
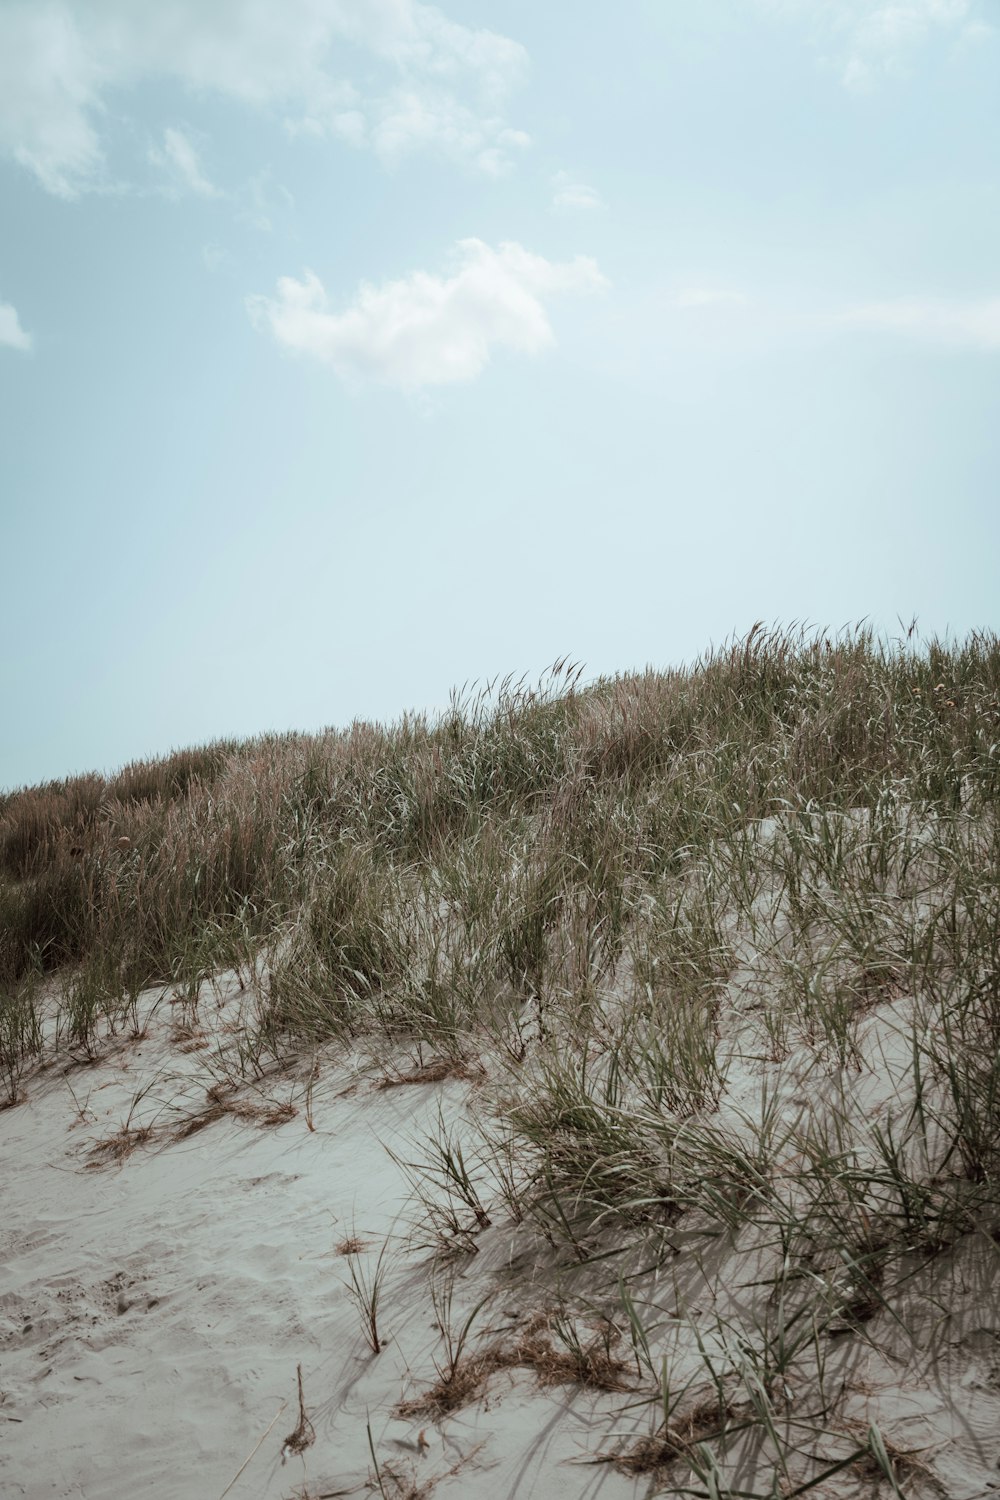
434	83
50	85
940	324
180	159
423	329
866	39
950	324
419	117
12	335
570	192
884	34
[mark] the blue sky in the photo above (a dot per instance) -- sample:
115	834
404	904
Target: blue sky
354	349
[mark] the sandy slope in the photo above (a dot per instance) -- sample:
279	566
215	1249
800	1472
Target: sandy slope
154	1310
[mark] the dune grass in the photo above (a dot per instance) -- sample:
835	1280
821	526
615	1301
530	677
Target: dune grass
726	938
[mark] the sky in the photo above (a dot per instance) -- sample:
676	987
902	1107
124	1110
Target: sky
353	350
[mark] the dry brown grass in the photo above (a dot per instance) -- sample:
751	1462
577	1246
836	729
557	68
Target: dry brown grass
118	1147
911	1473
222	1103
187	1036
658	1451
353	1245
437	1071
304	1433
454	1389
591	1365
399	1483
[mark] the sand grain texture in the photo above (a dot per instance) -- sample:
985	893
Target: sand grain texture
155	1308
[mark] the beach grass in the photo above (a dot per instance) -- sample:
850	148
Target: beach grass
713	954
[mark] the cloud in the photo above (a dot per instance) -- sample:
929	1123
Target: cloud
180	159
50	84
425	330
12	335
937	321
883	34
570	192
429	81
416	118
940	324
867	39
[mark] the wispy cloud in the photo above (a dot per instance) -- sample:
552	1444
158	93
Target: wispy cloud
12	335
571	192
50	85
942	323
429	81
180	160
425	330
949	324
420	118
868	39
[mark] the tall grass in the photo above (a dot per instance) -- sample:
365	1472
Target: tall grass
679	912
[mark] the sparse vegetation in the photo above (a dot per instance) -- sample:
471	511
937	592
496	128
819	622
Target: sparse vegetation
365	1290
718	951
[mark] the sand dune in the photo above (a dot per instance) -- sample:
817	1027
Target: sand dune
155	1308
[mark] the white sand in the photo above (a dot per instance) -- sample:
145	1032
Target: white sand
153	1311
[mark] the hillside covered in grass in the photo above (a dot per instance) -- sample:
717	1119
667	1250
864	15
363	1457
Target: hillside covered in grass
717	953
